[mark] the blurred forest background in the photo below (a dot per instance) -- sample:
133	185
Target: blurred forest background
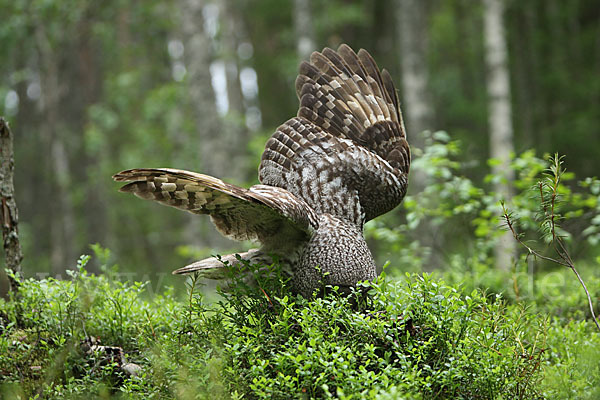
91	88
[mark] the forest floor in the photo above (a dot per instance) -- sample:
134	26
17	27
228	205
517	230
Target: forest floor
410	337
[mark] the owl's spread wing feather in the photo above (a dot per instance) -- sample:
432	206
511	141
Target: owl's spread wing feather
345	94
332	174
268	214
346	153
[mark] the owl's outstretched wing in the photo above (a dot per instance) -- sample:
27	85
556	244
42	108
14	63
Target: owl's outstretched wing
346	152
271	215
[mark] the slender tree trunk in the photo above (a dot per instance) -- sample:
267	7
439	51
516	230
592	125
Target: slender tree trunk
198	57
89	80
414	41
305	36
236	133
520	41
463	36
533	61
123	32
62	213
500	119
215	156
8	207
232	30
411	16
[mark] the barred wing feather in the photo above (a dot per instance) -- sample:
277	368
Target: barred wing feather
262	213
346	152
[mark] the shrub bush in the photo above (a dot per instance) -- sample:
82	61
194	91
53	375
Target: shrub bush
416	337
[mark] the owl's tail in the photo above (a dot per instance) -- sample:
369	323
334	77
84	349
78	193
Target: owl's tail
237	267
217	267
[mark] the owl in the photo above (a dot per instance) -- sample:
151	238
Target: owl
342	161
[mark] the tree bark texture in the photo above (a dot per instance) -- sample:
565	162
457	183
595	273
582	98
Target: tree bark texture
411	17
499	114
8	208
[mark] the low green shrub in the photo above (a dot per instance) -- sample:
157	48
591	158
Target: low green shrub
416	336
572	366
413	338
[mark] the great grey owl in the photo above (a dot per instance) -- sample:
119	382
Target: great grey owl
342	161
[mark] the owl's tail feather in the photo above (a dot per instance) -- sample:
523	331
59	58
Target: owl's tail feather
218	267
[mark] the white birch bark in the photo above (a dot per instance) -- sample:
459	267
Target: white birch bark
235	126
416	102
197	58
499	115
305	39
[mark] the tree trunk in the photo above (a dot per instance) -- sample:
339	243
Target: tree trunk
305	38
417	107
235	127
198	57
499	115
215	152
8	208
89	79
61	207
464	36
520	40
232	32
414	41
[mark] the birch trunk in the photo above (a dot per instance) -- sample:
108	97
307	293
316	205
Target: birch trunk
499	115
414	41
198	57
305	39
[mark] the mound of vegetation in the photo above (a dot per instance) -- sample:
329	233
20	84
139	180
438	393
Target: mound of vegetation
411	338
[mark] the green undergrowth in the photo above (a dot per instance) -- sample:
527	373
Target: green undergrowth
410	338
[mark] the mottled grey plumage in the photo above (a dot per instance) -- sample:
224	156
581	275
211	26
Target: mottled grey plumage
342	161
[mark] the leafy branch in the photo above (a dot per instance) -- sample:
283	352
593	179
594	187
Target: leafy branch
549	200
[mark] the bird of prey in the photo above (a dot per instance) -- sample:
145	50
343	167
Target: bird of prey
342	161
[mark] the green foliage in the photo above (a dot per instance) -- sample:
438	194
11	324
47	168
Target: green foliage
418	337
415	337
119	106
45	323
572	370
466	215
486	333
